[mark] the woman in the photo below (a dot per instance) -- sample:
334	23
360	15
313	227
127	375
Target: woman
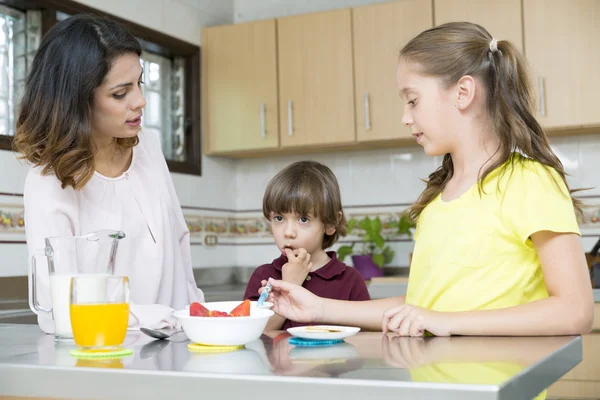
92	168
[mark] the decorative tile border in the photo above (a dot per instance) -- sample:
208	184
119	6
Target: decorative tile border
228	226
11	219
254	225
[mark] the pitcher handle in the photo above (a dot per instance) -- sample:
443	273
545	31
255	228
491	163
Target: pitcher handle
32	283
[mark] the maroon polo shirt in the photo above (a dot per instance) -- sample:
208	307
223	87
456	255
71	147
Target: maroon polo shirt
334	280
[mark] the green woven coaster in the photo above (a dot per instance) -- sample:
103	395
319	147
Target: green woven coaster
100	353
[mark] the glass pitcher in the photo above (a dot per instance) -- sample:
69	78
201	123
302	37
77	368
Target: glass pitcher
91	254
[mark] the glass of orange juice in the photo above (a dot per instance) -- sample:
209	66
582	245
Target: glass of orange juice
99	306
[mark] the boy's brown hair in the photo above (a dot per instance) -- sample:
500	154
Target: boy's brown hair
307	187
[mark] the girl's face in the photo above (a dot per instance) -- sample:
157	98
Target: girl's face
118	101
430	110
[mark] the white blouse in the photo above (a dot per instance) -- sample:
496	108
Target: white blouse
155	254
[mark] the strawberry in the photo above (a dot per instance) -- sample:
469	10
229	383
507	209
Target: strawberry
242	310
215	313
198	310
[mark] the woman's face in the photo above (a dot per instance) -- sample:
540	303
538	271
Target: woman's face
118	101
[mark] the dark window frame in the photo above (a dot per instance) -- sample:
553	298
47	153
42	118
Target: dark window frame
154	42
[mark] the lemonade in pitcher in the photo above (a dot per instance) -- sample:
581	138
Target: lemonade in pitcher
100	325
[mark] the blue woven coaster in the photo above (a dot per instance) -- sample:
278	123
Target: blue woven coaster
296	341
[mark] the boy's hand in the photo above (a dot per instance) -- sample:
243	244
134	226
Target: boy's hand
297	267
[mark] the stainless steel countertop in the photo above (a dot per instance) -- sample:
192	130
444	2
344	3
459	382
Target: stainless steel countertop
367	365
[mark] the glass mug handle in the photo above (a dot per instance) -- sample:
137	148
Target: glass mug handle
32	283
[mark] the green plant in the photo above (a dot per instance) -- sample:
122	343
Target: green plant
373	240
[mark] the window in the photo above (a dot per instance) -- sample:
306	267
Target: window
164	112
19	39
171	76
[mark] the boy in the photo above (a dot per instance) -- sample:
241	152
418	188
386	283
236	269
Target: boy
303	204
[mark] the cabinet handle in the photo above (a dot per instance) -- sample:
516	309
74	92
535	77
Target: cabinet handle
367	113
290	119
263	128
542	96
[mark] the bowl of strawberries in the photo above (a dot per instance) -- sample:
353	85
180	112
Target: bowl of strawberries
224	323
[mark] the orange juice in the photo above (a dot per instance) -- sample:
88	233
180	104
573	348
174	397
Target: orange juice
99	325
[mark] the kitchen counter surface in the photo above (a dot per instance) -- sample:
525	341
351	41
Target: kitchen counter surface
366	365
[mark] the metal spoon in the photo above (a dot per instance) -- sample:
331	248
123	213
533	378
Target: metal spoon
162	334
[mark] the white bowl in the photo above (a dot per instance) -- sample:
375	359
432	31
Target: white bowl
224	331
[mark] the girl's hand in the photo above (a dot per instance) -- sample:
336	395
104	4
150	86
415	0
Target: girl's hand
293	302
409	320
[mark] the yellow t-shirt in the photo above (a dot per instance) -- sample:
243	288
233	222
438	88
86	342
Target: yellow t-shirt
475	252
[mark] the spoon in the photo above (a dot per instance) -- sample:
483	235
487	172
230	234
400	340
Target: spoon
156	334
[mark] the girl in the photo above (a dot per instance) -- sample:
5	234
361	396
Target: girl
92	169
497	245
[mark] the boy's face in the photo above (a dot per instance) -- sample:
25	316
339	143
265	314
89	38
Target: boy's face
296	231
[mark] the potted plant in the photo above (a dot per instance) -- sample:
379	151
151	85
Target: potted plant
373	253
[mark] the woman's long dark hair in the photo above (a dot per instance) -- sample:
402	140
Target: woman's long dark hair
53	127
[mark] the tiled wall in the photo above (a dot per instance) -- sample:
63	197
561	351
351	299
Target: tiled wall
381	182
385	181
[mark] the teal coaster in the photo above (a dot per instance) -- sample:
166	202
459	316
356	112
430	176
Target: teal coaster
296	341
100	353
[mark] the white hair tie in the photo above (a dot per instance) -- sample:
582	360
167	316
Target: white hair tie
494	45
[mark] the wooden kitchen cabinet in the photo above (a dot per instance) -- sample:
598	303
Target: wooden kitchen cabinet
561	43
239	87
501	18
380	31
316	97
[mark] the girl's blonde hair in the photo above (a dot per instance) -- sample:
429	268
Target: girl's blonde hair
453	50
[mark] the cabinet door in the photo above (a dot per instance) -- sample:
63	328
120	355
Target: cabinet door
501	18
562	45
239	94
316	97
380	31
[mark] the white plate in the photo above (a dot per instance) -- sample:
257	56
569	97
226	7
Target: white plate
323	332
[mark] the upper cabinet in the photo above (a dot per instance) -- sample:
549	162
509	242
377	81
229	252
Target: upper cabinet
501	18
239	87
316	97
562	45
328	80
380	31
